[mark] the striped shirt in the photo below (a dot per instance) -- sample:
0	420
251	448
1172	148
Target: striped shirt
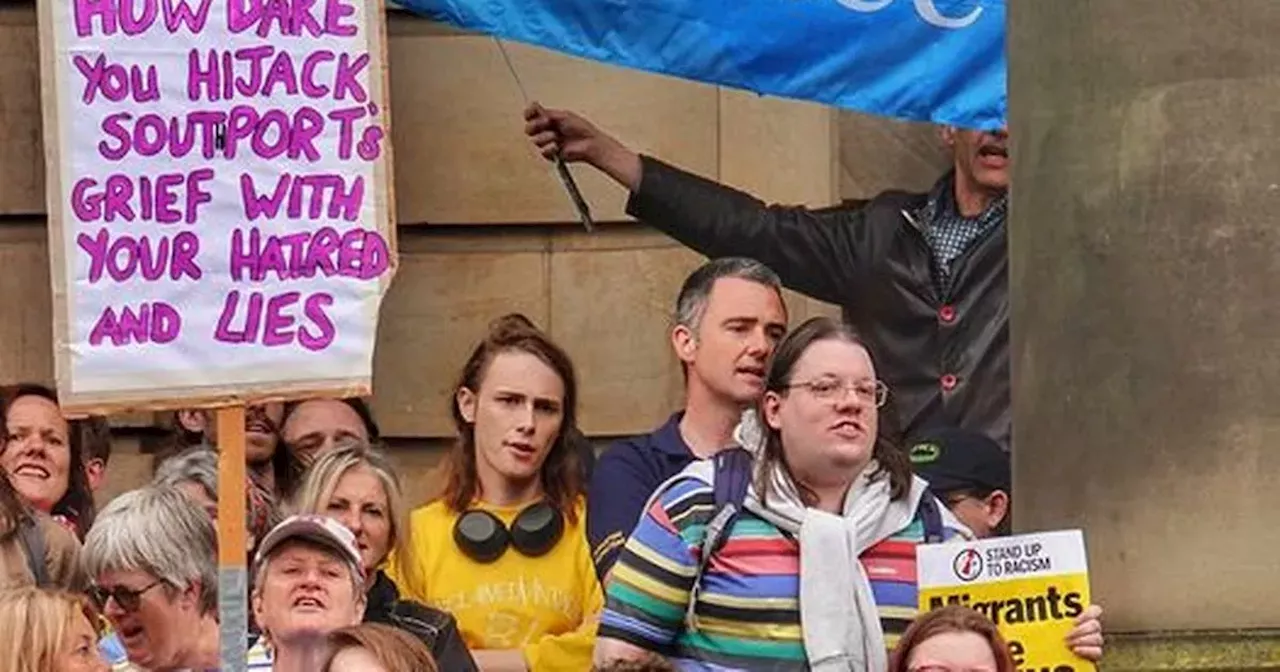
747	605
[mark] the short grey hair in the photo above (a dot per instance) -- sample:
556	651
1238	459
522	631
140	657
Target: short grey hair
691	304
197	465
158	530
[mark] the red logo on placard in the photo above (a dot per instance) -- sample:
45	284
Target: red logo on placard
968	564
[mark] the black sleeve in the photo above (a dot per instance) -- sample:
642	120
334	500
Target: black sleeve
814	251
450	651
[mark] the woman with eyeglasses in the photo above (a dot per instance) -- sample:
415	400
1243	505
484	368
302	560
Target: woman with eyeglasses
152	559
817	571
47	631
952	639
505	549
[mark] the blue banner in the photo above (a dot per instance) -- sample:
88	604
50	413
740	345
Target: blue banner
925	60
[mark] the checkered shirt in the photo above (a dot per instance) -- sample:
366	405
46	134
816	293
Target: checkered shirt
948	233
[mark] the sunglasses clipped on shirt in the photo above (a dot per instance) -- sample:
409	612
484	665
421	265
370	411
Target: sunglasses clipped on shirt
126	599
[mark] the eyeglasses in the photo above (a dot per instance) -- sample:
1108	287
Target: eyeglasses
833	389
127	599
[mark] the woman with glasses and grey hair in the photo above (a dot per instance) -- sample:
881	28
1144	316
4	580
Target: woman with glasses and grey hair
152	558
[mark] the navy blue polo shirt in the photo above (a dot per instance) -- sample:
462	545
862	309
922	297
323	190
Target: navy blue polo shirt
625	477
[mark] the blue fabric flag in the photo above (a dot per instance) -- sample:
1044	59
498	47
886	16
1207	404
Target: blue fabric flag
925	60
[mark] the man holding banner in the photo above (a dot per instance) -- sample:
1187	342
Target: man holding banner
923	276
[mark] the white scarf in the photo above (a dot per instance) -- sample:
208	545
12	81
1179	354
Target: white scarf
838	614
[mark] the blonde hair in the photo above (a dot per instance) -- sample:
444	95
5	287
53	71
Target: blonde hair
321	478
36	625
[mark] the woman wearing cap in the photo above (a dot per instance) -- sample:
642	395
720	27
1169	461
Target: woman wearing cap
356	485
43	457
152	558
825	543
504	549
309	583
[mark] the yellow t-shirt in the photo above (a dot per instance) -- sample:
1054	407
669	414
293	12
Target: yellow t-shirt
548	607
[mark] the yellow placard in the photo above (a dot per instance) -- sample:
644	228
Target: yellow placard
1031	586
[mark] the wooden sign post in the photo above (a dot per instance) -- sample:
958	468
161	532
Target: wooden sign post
221	226
233	561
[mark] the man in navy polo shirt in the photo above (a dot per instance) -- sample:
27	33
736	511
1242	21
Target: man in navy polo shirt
729	317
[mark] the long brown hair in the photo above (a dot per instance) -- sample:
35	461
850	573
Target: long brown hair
891	459
76	503
395	649
13	509
561	473
952	618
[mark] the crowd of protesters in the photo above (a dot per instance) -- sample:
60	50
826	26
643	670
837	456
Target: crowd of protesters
769	524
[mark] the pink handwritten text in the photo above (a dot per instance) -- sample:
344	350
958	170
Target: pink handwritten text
293	18
150	323
124	256
316	190
262	70
134	17
116	82
155	197
269	134
359	253
272	324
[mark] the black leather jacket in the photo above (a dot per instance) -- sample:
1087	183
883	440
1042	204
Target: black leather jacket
437	629
944	357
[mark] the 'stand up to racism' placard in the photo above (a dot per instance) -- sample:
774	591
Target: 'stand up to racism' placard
1032	586
218	190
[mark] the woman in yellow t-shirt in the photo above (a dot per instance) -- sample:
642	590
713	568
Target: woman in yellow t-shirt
504	548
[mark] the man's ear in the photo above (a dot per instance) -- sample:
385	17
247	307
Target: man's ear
466	401
95	471
997	508
685	343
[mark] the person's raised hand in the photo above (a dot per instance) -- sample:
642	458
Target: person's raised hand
1085	639
571	137
561	132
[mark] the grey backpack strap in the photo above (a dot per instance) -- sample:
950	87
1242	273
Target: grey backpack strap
717	529
33	546
731	478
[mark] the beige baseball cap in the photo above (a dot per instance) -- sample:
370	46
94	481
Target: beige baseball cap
320	530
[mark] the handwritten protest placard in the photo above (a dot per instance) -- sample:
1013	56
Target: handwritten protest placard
220	218
1032	586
